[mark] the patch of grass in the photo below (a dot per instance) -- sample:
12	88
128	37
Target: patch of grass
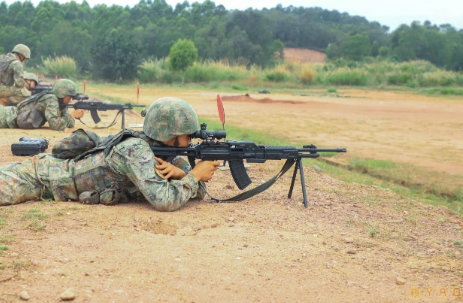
372	232
59	212
17	264
2	223
332	90
7	239
238	87
35	213
37	217
3	247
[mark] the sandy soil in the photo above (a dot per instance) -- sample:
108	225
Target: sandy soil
354	243
303	55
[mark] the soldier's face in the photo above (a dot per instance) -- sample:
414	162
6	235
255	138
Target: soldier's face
179	141
30	84
67	99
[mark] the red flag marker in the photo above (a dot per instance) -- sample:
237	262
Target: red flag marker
56	78
85	85
138	91
221	111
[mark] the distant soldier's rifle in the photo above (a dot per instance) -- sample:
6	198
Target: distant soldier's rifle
41	88
95	106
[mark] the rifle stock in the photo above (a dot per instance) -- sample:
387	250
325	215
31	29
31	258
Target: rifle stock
235	152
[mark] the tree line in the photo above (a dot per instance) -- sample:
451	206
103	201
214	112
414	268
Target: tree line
111	41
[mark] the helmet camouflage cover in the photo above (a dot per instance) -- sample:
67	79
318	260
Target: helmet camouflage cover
31	76
169	117
63	88
22	50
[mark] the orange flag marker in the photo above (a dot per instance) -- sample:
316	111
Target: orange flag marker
138	91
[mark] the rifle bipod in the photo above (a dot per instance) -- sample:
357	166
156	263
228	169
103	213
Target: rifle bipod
298	165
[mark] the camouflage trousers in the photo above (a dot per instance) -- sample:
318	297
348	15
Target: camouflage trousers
10	95
39	177
18	184
8	116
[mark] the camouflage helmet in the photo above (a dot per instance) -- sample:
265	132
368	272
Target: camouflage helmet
63	88
22	50
169	117
31	76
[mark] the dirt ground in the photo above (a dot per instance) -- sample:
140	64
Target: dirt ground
354	243
303	55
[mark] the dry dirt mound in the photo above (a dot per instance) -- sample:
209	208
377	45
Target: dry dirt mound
303	55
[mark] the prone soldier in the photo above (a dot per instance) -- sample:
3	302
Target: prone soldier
44	107
116	169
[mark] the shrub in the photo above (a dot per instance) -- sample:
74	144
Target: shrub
63	67
239	87
150	70
399	78
346	76
278	74
307	74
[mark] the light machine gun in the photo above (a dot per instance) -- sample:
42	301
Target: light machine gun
95	106
212	149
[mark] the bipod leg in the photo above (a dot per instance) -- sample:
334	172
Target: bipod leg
304	192
123	119
293	179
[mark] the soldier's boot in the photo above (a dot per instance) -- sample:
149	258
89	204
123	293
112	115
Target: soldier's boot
89	197
110	196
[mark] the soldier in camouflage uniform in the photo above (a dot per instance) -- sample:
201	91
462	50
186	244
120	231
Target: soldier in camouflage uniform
44	107
15	95
11	70
118	168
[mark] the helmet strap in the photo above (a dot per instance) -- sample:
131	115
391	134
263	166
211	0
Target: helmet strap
176	143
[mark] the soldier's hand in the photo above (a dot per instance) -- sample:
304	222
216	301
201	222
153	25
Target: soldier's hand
168	170
78	113
204	170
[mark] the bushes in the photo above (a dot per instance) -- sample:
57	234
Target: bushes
346	76
63	67
338	72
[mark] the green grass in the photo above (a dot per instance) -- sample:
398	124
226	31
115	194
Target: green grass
442	91
37	218
7	239
3	247
35	213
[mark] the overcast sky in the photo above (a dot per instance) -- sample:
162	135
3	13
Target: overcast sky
391	13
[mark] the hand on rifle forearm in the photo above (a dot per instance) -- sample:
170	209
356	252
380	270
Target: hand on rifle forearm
77	114
168	170
204	170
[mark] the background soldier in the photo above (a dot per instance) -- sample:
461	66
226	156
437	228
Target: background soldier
16	96
11	70
44	107
119	168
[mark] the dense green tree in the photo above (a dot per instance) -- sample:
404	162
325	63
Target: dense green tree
115	56
151	27
182	55
357	47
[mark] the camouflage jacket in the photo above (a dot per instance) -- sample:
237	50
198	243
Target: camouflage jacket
129	167
11	71
35	113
